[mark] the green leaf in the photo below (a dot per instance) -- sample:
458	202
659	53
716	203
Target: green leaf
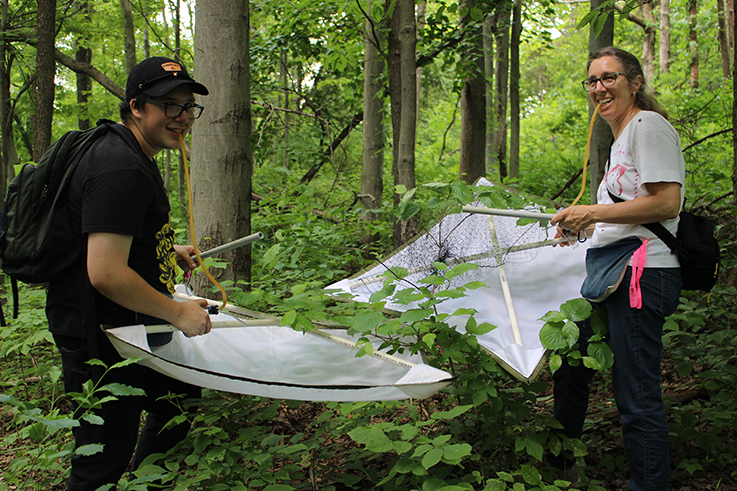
552	337
278	487
268	260
599	322
576	310
460	269
603	355
683	366
93	419
453	413
289	318
553	316
367	320
531	475
555	363
89	449
429	340
414	315
432	457
592	363
125	363
433	279
453	453
402	447
122	390
465	311
480	397
570	332
373	438
480	329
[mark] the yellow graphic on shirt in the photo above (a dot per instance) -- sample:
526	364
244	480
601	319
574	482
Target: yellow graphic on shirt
167	257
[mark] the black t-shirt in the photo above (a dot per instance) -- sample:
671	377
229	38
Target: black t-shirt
116	189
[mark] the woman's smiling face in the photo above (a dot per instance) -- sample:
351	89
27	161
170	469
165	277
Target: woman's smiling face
618	101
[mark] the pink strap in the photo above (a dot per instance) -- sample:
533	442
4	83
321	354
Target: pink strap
638	265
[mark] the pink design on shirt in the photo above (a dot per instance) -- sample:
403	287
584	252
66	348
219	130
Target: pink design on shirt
617	171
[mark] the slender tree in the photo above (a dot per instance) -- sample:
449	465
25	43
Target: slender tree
83	54
664	36
403	95
46	69
222	160
693	45
6	120
724	48
473	99
501	33
734	111
514	75
130	35
489	156
372	174
601	138
648	41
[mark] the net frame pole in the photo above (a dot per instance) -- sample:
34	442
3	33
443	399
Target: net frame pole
541	217
505	284
215	251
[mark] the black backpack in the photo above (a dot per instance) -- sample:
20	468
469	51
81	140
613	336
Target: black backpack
37	243
696	246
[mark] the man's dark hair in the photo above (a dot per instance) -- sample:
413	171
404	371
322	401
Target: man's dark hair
125	109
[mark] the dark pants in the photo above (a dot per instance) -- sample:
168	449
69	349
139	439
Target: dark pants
119	432
636	341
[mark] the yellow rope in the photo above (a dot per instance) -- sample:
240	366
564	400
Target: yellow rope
191	223
586	158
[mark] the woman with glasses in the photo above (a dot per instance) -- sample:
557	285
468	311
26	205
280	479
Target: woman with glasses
643	183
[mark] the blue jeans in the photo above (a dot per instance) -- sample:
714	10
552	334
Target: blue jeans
636	341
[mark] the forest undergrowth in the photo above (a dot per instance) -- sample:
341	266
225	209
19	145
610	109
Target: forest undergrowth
487	431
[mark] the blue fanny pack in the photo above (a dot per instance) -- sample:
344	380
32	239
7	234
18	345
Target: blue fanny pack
605	267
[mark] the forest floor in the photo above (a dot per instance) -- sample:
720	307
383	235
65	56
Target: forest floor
604	464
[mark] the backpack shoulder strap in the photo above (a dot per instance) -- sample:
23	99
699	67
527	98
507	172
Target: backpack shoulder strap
655	227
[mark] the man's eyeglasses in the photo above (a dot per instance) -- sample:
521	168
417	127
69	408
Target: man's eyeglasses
173	111
607	80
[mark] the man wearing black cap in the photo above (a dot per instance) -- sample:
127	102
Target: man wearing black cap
118	204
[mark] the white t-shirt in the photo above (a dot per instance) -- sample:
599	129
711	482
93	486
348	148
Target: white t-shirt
647	151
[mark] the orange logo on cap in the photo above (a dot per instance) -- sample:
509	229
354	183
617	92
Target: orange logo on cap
170	66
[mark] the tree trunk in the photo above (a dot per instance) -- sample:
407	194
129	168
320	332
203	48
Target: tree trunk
490	157
693	45
395	83
222	159
403	95
421	14
46	66
372	174
514	75
9	155
473	102
664	36
284	73
734	111
130	35
723	39
84	85
602	136
501	78
648	42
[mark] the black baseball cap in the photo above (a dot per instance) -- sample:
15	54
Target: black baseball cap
157	76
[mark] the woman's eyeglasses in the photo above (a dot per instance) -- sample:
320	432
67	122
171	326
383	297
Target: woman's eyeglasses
607	80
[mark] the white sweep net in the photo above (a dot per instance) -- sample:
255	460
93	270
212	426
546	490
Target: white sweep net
278	362
538	279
